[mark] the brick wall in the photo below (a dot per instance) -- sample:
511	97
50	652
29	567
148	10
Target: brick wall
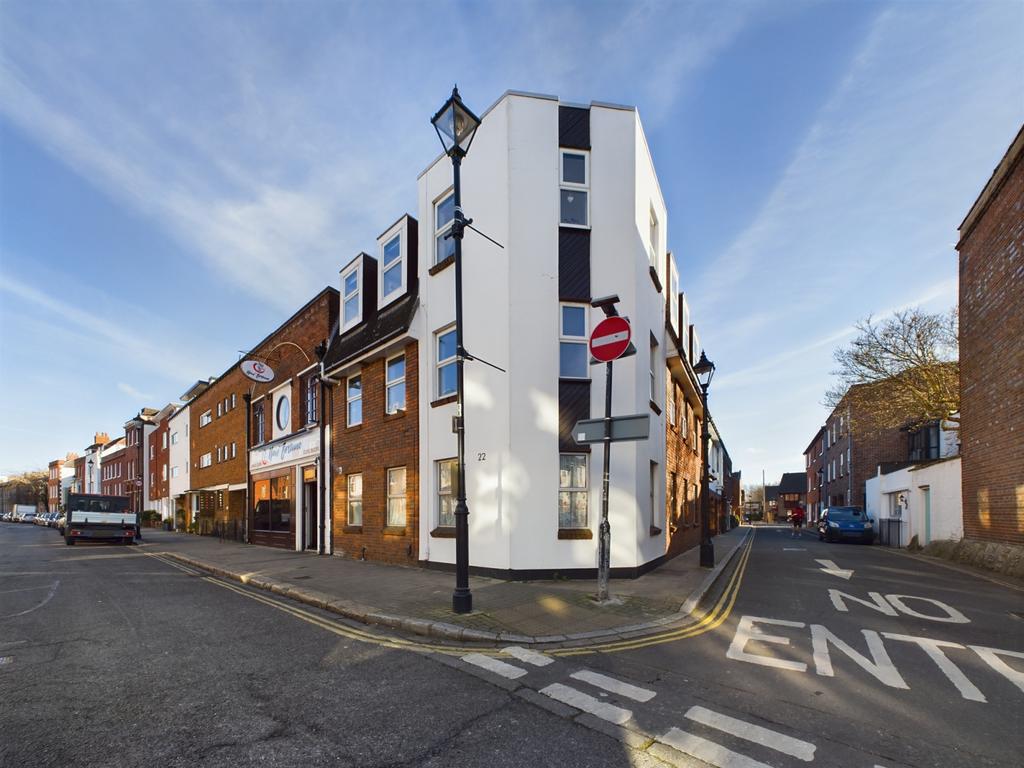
380	442
682	457
865	445
814	461
159	450
992	356
53	485
114	474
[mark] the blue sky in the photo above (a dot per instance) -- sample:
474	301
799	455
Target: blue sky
177	178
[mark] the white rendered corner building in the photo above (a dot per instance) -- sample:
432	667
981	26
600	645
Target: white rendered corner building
571	193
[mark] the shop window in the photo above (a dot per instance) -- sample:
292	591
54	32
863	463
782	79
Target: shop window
275	504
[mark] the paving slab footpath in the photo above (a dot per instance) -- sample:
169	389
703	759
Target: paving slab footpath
418	600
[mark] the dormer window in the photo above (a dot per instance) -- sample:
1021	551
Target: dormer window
392	264
351	296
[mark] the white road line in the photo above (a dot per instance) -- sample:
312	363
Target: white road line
530	657
6	660
708	751
580	700
794	549
48	598
494	665
829	567
801	750
612	685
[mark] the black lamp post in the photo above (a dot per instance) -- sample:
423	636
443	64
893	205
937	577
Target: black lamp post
88	477
456	126
705	369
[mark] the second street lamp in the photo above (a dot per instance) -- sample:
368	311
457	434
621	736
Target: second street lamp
705	369
456	126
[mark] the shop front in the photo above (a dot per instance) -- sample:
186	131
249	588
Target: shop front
284	477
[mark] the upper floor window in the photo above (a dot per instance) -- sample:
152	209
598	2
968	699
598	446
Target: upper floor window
444	215
163	440
395	376
447	378
354	401
233	400
258	423
351	301
574	183
670	403
311	396
174	438
392	268
654	369
283	412
220	410
206	460
652	242
572	342
205	418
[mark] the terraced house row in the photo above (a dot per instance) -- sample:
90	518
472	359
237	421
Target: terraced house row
349	449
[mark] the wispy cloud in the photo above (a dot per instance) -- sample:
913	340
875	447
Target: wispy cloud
132	392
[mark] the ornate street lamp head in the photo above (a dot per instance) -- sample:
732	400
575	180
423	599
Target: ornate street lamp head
455	125
704	367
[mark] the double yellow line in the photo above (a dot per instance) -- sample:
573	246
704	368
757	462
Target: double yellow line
701	623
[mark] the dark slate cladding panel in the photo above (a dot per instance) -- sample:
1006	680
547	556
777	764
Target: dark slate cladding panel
573	264
574	127
573	405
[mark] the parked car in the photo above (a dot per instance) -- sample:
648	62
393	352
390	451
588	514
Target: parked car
845	524
6	517
59	523
28	517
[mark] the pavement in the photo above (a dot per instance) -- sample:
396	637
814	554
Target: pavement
418	600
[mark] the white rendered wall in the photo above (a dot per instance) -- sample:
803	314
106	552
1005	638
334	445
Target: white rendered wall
178	455
511	318
943	479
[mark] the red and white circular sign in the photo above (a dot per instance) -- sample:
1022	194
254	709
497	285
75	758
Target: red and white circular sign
610	339
257	371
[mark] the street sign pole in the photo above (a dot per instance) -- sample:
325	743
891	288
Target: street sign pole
604	530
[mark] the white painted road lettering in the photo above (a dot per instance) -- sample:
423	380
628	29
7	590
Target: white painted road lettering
953	616
612	685
494	665
877	602
780	742
747	630
879	665
934	650
991	657
586	703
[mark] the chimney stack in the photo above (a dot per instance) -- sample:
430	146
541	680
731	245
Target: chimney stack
102	438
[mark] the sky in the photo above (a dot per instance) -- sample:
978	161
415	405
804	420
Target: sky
176	178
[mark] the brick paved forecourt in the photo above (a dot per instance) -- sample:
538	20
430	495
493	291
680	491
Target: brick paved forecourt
417	601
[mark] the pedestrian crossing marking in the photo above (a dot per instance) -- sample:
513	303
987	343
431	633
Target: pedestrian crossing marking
614	686
530	657
494	665
801	750
708	751
587	703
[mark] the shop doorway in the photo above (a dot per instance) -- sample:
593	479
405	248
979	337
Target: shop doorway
310	509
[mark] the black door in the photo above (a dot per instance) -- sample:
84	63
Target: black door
309	504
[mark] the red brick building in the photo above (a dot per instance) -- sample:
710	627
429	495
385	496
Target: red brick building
282	466
136	459
374	447
814	459
991	251
158	453
114	478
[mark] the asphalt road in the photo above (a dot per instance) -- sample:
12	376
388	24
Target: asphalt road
112	657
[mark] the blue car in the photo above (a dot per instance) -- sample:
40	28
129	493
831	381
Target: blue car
845	524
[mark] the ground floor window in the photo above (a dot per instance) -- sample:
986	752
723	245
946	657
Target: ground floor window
274	503
396	497
572	491
355	499
447	490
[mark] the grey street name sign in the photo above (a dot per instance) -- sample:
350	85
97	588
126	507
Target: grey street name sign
635	427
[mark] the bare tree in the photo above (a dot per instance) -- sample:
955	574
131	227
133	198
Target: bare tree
902	371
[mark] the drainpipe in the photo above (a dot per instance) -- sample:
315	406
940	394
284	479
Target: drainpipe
247	396
323	469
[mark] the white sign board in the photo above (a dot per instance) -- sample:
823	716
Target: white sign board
257	371
293	449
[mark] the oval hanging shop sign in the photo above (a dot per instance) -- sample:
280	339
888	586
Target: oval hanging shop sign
257	371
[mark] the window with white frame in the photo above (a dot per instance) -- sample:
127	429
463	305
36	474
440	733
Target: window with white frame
152	450
654	369
573	493
447	379
258	423
163	472
670	402
312	382
444	215
234	450
842	467
354	400
394	374
220	410
392	268
218	455
396	497
447	491
351	301
174	471
574	183
233	400
572	342
163	441
205	418
652	243
355	499
206	459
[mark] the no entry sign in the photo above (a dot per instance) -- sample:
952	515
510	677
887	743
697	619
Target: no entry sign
610	339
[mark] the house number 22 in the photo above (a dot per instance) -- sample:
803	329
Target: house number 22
481	457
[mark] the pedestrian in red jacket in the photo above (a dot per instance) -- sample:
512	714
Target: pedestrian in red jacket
798	521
